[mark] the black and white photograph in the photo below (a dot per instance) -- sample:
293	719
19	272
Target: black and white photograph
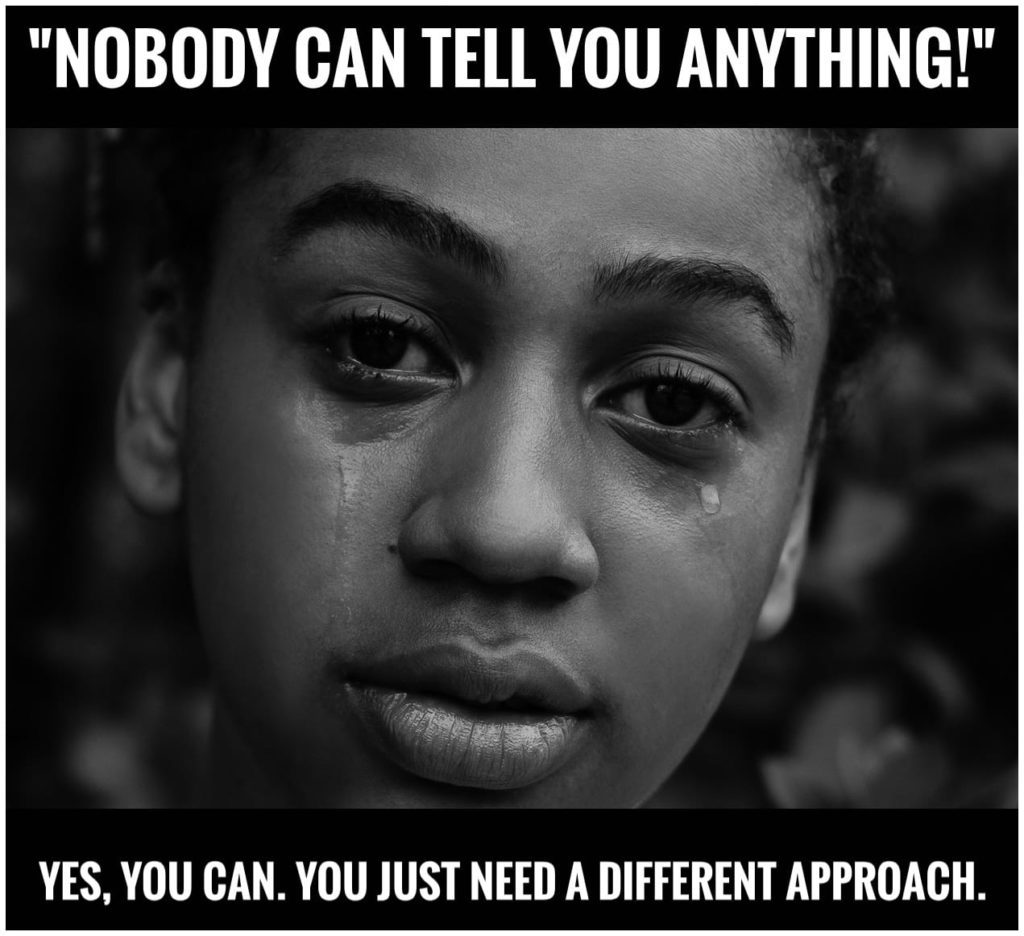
512	467
651	488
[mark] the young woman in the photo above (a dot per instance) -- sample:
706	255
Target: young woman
496	447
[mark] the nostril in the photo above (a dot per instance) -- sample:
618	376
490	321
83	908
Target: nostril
547	589
440	569
555	588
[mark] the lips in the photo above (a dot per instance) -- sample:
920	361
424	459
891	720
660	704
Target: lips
462	716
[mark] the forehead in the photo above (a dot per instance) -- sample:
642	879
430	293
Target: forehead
669	181
577	197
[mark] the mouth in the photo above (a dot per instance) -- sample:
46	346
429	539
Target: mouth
469	718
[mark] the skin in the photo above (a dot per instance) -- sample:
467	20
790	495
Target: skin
519	495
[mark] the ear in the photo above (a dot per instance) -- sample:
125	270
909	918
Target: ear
150	421
778	605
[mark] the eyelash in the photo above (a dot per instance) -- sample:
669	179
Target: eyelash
686	442
684	374
358	376
342	325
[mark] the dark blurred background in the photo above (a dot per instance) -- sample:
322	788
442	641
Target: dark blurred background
894	685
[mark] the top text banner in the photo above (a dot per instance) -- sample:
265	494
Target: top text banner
514	66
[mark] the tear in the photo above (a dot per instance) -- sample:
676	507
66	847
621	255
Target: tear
339	503
709	498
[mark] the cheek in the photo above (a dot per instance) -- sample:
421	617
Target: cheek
275	504
682	589
255	526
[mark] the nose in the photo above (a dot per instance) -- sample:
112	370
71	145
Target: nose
503	506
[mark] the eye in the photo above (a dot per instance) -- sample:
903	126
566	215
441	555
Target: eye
386	339
381	342
675	397
665	402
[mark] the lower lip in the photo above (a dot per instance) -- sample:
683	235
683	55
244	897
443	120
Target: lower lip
444	740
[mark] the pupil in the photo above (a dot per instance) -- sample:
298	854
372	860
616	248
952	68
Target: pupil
377	344
672	404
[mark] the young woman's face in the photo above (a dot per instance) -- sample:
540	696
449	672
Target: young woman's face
494	440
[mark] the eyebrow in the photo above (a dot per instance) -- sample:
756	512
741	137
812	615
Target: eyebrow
400	215
693	279
396	214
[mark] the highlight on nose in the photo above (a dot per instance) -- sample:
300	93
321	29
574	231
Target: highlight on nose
499	541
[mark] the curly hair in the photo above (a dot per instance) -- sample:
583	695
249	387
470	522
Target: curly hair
192	167
844	163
